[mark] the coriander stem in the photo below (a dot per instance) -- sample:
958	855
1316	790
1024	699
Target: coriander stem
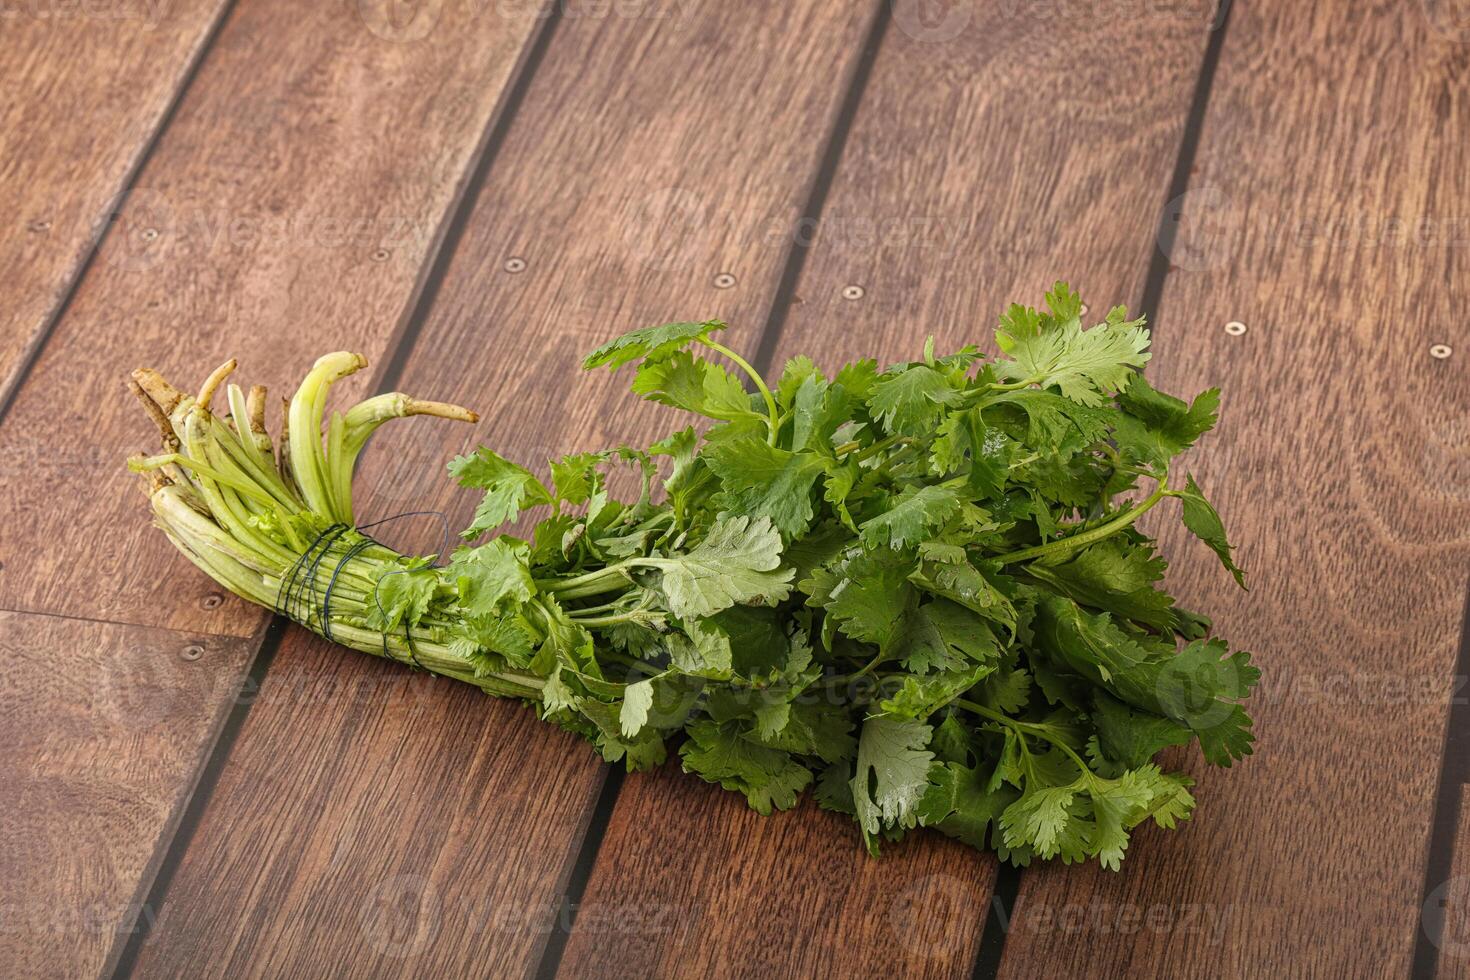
588	584
870	666
881	445
1013	385
1113	526
773	423
1021	727
611	619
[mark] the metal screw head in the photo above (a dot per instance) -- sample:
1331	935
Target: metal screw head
212	601
148	234
191	652
1235	328
852	292
380	255
515	264
1440	351
723	281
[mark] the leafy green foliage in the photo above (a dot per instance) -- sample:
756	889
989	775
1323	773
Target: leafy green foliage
650	343
508	488
919	592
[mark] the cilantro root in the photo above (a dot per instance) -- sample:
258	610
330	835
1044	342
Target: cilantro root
920	592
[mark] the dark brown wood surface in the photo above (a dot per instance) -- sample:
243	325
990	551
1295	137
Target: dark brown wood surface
435	839
1446	909
913	219
335	176
1339	467
95	761
86	88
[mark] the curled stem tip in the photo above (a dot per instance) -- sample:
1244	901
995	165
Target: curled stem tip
217	378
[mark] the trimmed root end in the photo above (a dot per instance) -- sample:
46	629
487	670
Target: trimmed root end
160	419
255	408
164	395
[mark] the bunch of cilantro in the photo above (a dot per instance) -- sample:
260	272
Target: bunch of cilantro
918	590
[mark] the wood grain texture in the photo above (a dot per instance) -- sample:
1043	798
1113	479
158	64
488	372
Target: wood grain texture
287	211
1323	214
981	169
1446	917
86	88
394	834
958	191
96	763
691	882
334	805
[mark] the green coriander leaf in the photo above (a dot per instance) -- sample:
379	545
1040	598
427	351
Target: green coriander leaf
738	561
508	489
911	401
1157	427
916	513
762	481
961	804
556	695
1006	691
943	635
402	596
1046	819
1197	686
814	729
858	378
867	595
800	372
1133	737
919	697
695	385
1116	575
1204	522
1115	802
703	651
650	343
818	412
771	720
637	699
892	775
487	576
575	477
834	788
1088	366
1054	425
769	778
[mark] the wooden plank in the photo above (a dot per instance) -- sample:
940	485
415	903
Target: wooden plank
326	806
1323	216
96	762
963	186
398	835
690	882
1446	913
299	190
70	138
